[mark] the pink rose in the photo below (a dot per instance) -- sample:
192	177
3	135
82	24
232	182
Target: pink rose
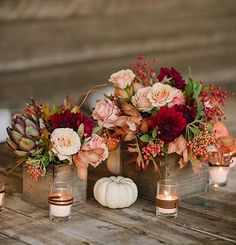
140	100
93	152
161	94
178	98
106	113
122	79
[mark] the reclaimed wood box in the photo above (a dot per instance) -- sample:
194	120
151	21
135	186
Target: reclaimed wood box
190	184
37	192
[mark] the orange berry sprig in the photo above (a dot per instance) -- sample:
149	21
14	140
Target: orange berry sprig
35	172
200	144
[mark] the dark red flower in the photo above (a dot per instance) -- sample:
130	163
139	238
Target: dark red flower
89	124
175	76
169	122
68	119
189	112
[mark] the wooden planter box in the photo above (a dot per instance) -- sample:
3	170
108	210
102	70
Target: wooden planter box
37	192
190	184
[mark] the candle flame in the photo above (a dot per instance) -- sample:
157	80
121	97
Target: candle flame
167	195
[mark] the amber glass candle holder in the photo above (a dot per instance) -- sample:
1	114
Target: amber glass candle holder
167	198
60	201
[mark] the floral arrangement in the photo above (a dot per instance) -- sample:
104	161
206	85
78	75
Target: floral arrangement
44	134
162	113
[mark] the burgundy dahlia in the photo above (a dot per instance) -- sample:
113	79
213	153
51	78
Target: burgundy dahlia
169	122
189	113
174	75
68	119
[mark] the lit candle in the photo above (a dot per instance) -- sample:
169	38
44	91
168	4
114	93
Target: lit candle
218	175
167	199
60	204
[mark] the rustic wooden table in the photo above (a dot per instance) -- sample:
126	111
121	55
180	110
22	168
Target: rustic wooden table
206	219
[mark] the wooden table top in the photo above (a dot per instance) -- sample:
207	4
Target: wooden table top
206	219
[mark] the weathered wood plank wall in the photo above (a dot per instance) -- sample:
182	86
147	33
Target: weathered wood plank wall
50	48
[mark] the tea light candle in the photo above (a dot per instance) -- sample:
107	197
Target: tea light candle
167	203
60	204
218	175
167	198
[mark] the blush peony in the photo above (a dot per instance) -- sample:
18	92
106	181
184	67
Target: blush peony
140	100
122	79
169	122
65	143
106	113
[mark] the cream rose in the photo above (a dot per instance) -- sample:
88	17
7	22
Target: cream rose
122	79
161	94
140	100
106	113
66	143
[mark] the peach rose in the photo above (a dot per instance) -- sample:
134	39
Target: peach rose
179	146
161	94
106	113
140	100
220	130
122	79
178	98
93	152
65	143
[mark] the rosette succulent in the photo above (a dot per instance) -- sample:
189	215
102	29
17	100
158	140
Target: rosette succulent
24	135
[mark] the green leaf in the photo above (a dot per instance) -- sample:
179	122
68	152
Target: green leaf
200	112
197	88
154	133
209	127
145	138
189	88
53	110
195	130
80	131
97	130
164	148
154	111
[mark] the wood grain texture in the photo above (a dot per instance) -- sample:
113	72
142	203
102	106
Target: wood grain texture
206	219
50	48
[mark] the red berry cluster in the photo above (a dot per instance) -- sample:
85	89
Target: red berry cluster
152	149
35	172
142	69
215	96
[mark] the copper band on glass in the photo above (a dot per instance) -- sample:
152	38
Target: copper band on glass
2	191
167	204
60	201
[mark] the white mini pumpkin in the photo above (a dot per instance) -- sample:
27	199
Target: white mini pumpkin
115	192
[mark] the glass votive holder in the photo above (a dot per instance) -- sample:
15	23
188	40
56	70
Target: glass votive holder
60	201
218	175
2	193
167	198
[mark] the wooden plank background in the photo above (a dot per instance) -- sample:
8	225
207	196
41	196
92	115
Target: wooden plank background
52	47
